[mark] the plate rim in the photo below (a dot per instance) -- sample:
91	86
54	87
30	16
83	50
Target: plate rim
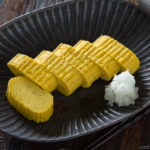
129	115
73	137
7	23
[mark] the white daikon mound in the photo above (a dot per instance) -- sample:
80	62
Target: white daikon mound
122	90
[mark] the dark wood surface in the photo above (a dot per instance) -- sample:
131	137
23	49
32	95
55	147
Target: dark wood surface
136	136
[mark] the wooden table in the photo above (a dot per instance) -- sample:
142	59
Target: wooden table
137	136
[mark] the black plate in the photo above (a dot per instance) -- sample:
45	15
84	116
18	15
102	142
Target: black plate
85	111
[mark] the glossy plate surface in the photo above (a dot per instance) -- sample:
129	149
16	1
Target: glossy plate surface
85	111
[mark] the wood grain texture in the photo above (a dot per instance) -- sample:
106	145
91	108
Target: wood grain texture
10	9
135	137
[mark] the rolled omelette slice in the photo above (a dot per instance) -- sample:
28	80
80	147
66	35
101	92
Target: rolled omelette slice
24	65
124	56
68	78
86	67
108	66
29	99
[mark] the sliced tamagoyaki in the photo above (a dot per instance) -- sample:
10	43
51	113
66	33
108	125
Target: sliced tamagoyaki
124	56
108	66
86	67
24	65
29	99
69	79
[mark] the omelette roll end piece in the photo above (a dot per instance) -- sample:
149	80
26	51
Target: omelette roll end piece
132	64
123	56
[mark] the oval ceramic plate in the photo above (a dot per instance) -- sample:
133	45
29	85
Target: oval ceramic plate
85	111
